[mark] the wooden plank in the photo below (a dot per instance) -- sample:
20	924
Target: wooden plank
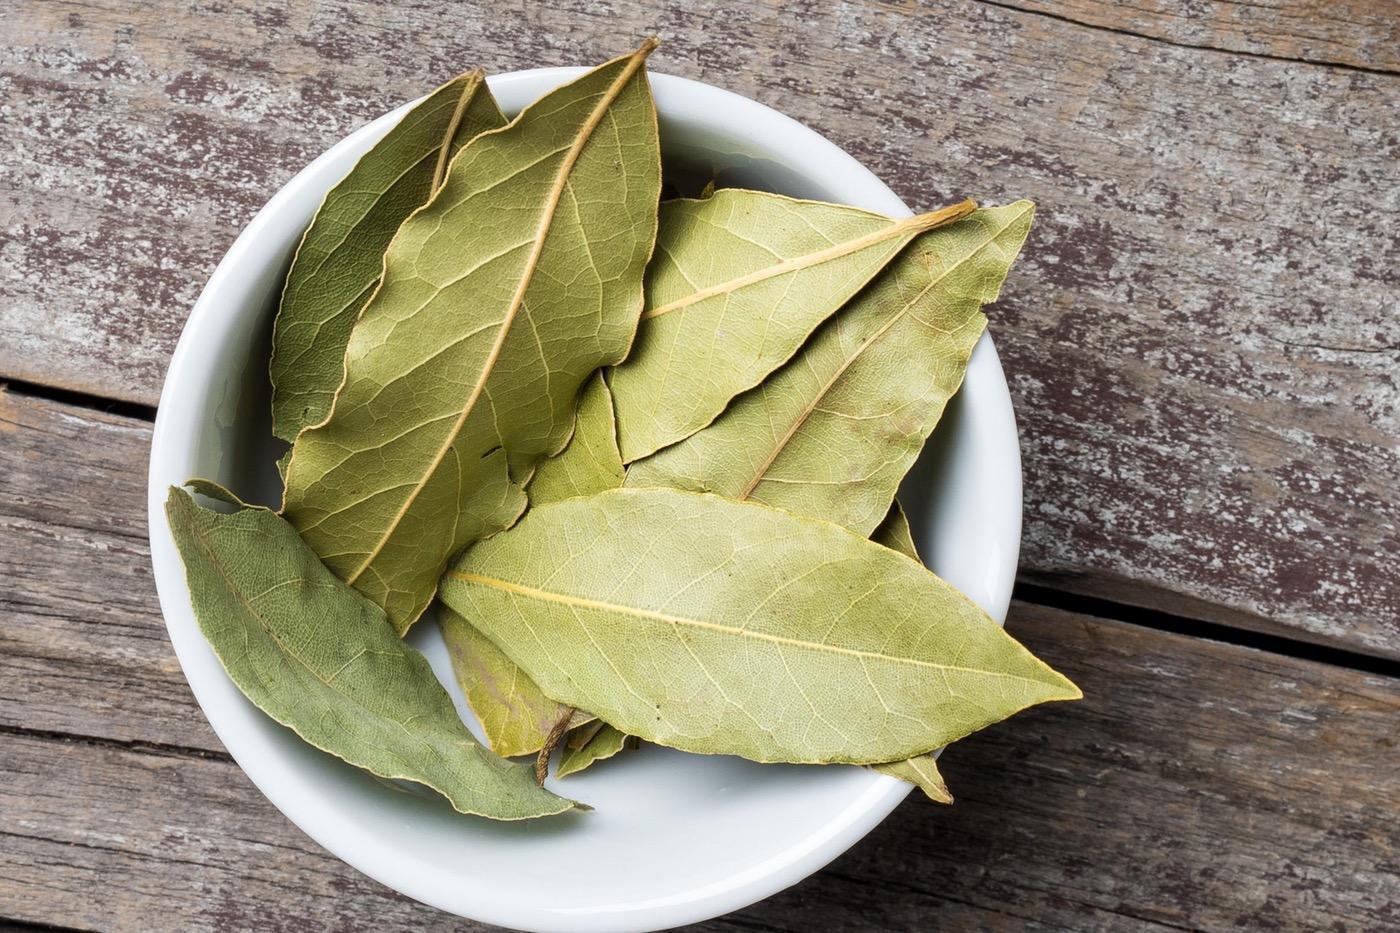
1201	341
106	838
1199	786
1353	33
82	645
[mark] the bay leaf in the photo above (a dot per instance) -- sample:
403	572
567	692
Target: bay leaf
322	660
923	773
515	713
591	462
894	532
498	299
579	736
604	743
739	281
341	255
832	433
727	627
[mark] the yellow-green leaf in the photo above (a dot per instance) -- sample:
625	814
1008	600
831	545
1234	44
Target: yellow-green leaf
605	742
499	298
894	532
514	713
591	462
834	431
739	281
732	628
923	773
580	735
341	254
322	660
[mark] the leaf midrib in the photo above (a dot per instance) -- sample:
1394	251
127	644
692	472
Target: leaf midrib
474	79
581	602
910	226
517	301
438	150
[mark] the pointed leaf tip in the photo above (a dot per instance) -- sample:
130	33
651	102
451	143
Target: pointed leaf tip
262	599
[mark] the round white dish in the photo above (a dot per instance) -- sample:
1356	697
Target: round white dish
675	838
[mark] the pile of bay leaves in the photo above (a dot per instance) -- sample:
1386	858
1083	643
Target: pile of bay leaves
645	458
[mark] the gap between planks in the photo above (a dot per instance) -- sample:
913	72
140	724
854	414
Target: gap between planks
163	749
1158	621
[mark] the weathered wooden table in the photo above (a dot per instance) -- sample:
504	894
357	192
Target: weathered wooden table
1203	343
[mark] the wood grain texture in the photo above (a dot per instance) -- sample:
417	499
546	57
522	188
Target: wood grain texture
1198	787
1201	339
1352	33
82	645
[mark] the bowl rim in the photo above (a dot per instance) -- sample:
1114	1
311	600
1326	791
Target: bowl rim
180	409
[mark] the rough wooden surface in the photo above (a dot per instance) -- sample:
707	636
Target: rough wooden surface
1143	809
1355	33
79	648
1202	339
1198	785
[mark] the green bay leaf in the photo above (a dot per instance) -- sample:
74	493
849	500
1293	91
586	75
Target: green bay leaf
728	627
591	462
498	299
322	660
515	713
833	432
603	743
341	255
739	281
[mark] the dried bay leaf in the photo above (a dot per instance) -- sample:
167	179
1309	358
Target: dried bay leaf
739	281
579	736
591	462
604	743
894	532
499	297
725	627
341	255
515	713
923	773
322	660
832	433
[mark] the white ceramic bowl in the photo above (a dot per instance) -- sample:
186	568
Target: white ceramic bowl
675	838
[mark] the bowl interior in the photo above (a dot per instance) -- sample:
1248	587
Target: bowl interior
674	838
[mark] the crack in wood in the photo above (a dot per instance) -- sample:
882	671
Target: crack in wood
1175	43
160	749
